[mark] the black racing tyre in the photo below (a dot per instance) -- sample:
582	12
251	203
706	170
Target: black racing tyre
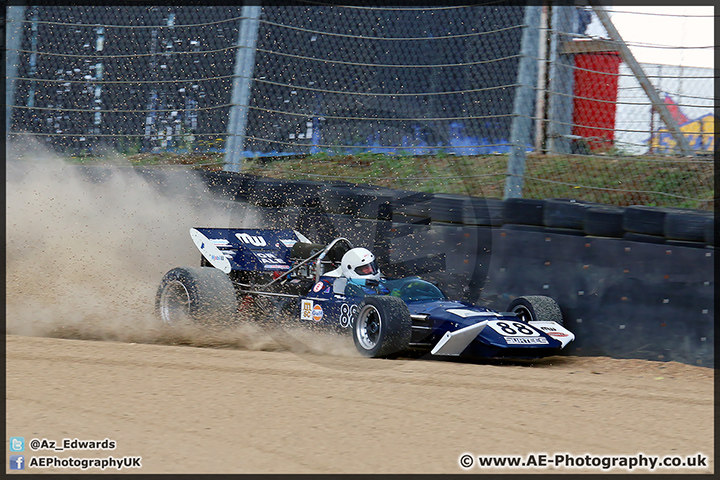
416	205
710	232
201	295
270	192
341	199
645	219
373	205
523	211
448	208
536	308
684	243
641	237
524	228
686	225
229	184
564	231
301	190
485	211
365	205
604	222
382	327
564	213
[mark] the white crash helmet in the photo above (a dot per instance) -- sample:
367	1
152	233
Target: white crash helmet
359	263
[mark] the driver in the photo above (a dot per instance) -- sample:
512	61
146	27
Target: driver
362	273
359	264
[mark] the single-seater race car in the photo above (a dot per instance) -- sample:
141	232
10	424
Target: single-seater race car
340	287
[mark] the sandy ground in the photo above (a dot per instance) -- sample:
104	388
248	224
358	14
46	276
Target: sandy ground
186	409
87	360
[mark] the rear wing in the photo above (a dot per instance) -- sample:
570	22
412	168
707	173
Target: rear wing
263	250
246	249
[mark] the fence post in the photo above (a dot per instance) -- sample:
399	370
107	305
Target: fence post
520	133
242	81
561	74
637	70
541	98
13	40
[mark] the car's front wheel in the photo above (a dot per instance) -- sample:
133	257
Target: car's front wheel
382	327
536	308
196	295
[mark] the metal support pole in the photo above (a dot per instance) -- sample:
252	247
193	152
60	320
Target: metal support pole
561	75
637	70
13	40
540	113
520	135
244	67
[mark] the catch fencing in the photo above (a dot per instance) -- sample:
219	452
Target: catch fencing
567	114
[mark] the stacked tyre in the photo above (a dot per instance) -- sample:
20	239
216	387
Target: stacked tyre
523	214
564	215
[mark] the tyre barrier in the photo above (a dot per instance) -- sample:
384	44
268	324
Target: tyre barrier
606	221
637	223
352	201
524	211
449	208
485	212
236	186
686	225
710	232
644	219
269	192
642	237
564	213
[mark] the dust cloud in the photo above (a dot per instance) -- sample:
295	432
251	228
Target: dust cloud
86	249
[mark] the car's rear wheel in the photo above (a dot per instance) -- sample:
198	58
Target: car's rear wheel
382	327
536	308
196	295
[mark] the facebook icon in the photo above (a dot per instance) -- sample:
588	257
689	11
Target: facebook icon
17	462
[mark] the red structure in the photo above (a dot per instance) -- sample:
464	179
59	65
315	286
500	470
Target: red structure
596	82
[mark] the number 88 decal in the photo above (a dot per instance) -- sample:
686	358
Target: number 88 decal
347	314
513	329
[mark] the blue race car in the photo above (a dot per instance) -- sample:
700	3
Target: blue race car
338	286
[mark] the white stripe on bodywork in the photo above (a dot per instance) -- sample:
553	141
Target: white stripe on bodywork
453	343
555	330
465	312
210	251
